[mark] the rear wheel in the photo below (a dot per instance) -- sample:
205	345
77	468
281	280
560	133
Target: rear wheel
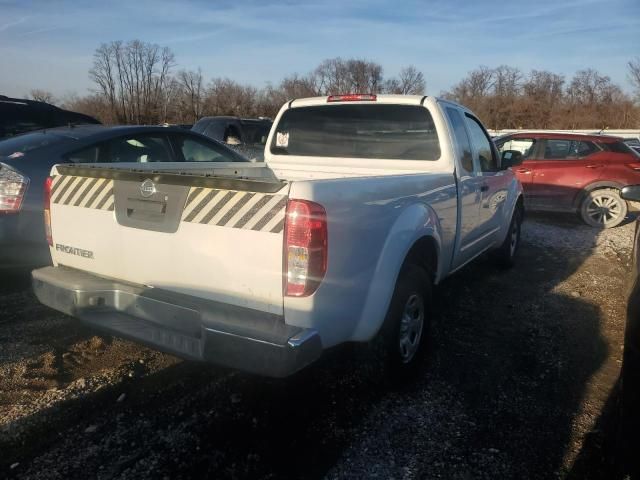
406	325
603	208
505	256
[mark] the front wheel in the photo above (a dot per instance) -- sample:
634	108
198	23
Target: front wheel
603	208
406	325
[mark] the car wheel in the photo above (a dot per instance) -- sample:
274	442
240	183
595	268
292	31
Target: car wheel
505	255
603	208
406	325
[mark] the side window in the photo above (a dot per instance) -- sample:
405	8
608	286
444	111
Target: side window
584	149
558	149
139	149
462	139
195	150
86	155
482	145
526	146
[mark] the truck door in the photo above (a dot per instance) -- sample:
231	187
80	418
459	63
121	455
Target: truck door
494	185
469	195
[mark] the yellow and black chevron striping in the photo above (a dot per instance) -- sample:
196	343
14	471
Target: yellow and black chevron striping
207	206
228	208
96	193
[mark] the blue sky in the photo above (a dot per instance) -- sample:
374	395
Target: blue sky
49	44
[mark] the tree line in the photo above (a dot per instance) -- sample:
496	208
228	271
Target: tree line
505	97
138	83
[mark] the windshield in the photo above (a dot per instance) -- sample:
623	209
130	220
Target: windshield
16	147
403	132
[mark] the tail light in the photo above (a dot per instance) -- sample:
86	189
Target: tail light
353	97
13	187
305	254
47	210
634	166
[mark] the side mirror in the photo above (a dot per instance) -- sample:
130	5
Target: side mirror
631	193
510	158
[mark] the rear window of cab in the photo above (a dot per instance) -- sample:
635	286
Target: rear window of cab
394	132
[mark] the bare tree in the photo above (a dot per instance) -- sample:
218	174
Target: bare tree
410	81
504	109
586	95
542	99
191	93
172	108
296	86
334	76
94	105
587	86
227	97
634	74
474	91
132	78
42	96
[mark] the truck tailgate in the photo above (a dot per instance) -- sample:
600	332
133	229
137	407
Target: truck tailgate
209	237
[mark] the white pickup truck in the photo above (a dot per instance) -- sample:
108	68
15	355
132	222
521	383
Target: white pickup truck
363	204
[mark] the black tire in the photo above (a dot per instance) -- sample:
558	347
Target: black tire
505	255
412	291
603	208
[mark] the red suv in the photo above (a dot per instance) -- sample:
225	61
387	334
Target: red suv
567	172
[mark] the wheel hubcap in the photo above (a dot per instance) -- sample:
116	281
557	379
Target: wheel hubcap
411	326
604	209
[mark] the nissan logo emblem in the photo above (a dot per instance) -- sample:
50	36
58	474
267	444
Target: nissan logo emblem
147	188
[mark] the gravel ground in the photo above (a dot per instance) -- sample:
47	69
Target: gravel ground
521	365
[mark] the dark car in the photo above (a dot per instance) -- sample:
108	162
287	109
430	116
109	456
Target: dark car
246	135
19	116
569	172
26	160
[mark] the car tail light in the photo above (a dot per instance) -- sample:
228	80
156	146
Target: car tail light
634	166
305	247
352	97
47	210
13	187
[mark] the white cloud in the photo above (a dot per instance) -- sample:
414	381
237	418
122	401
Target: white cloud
7	26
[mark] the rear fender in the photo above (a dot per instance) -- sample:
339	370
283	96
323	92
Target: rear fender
417	221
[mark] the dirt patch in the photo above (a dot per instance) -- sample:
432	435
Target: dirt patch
521	363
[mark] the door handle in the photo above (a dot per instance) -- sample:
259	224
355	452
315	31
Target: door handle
524	170
484	188
597	165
